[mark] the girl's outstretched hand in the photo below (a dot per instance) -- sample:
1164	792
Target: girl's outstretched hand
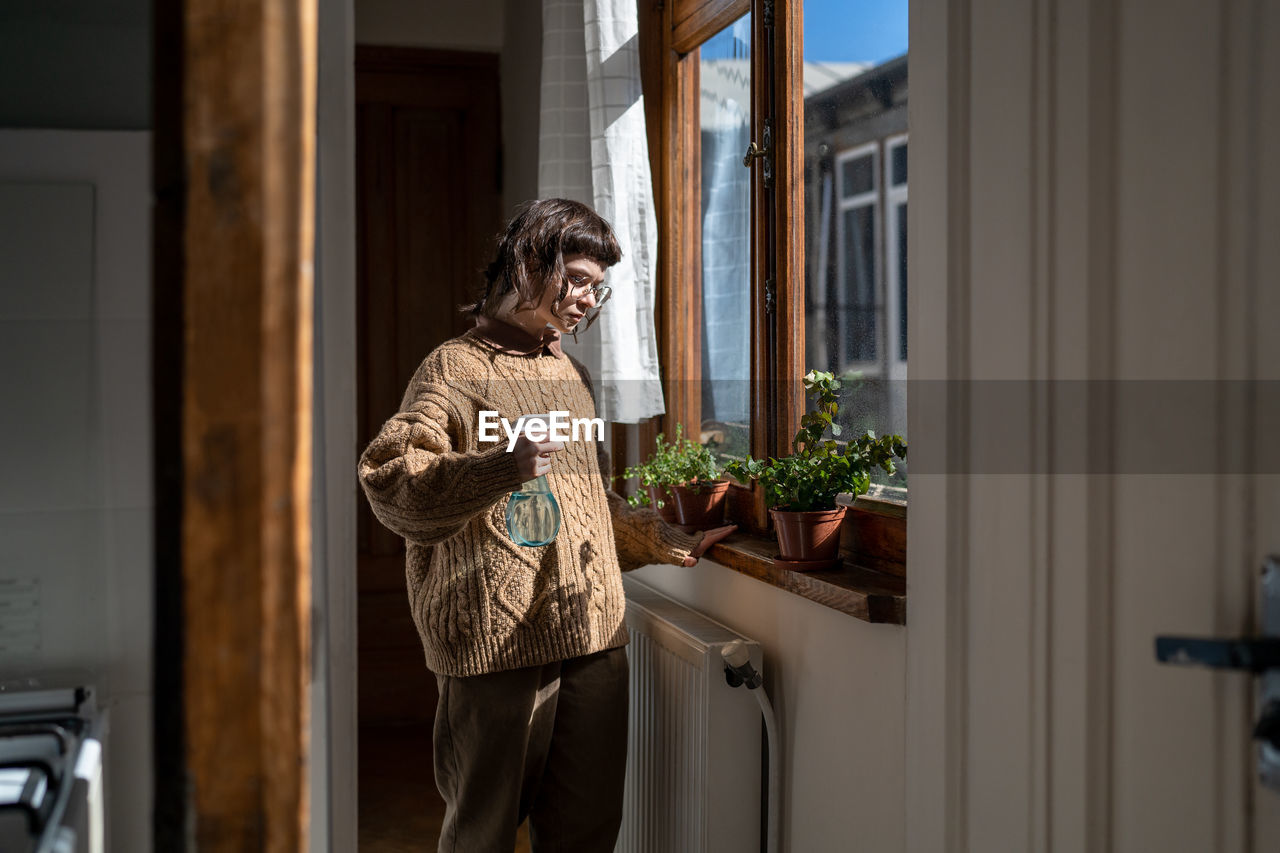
709	538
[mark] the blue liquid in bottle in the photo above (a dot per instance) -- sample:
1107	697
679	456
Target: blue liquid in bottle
533	515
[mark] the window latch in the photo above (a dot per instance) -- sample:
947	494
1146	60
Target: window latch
1258	655
762	152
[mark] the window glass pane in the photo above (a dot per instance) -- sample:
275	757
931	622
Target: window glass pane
899	165
725	115
859	175
855	87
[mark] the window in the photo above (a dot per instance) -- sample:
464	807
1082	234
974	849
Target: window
852	318
724	119
749	300
855	110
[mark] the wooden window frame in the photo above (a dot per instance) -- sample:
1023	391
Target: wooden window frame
670	34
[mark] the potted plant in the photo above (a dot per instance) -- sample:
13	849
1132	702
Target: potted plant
801	489
656	473
682	481
701	492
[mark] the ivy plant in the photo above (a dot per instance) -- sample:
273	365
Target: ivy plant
679	462
821	467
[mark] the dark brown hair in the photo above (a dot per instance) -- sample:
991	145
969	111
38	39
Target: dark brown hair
531	250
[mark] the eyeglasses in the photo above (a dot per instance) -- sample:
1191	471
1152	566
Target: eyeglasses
600	294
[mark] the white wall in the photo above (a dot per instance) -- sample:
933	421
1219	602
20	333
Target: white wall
1094	204
76	505
445	24
838	686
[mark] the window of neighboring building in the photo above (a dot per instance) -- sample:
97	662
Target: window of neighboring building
852	320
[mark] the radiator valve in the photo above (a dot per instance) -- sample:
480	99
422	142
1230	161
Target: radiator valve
737	666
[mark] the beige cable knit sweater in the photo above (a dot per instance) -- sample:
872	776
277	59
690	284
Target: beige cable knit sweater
481	602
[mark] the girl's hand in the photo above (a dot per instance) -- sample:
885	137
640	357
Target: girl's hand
709	538
533	458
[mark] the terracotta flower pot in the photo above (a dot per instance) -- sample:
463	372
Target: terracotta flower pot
668	509
700	506
809	537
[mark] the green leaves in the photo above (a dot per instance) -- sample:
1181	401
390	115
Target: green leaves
819	469
681	461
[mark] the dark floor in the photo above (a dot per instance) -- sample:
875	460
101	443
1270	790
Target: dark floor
400	808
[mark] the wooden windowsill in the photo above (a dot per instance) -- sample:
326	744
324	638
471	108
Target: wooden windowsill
863	593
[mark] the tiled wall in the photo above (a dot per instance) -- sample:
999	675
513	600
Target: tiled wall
75	64
75	434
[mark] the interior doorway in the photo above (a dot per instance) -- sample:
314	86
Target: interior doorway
428	201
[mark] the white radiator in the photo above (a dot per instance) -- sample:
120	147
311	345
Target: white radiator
693	752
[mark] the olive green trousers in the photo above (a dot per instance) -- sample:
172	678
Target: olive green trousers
545	742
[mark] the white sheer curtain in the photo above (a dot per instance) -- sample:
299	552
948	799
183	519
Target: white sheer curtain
592	147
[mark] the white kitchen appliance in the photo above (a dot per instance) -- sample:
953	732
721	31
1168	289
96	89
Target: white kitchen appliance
51	798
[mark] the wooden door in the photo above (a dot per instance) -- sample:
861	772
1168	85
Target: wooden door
428	203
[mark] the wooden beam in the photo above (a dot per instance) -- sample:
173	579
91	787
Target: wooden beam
680	240
652	23
243	563
764	329
654	34
695	21
788	199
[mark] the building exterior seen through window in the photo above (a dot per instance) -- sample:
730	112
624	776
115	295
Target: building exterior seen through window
756	294
856	154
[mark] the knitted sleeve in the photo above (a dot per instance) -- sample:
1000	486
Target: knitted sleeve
418	485
641	536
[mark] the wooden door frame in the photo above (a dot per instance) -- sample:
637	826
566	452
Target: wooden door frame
465	82
234	177
450	166
334	753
